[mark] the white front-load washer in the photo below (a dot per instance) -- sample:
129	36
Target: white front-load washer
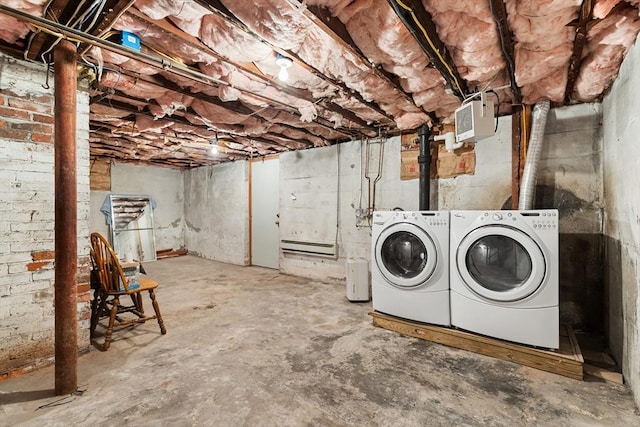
410	267
504	275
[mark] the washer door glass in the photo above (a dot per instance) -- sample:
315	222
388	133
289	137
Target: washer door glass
405	255
501	263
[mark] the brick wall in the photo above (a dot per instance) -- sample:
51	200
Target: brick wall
27	217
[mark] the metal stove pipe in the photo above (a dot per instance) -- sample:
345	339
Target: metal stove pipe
534	152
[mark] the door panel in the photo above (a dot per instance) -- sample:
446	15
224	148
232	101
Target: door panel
265	204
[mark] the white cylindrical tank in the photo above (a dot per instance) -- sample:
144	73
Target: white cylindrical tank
358	288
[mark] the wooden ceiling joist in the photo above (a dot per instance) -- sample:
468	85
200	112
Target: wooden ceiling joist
176	118
110	16
234	106
350	46
137	105
248	68
54	12
124	148
499	12
337	27
586	15
218	8
421	26
64	11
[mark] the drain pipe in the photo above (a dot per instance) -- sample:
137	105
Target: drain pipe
530	174
424	160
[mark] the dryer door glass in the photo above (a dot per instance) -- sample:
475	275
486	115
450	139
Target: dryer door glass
404	255
499	263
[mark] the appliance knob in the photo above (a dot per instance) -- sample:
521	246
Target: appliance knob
497	216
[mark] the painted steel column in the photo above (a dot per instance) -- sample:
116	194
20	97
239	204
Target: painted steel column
66	206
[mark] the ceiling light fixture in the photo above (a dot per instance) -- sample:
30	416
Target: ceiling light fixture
214	145
283	62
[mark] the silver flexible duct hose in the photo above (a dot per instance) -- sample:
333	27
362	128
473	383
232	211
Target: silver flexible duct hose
534	152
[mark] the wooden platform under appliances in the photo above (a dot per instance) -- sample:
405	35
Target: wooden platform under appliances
567	361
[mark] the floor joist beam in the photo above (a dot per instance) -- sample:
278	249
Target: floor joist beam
421	26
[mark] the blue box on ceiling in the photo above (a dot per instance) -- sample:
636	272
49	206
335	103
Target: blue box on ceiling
130	40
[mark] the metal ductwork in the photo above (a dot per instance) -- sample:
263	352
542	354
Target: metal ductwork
534	152
424	160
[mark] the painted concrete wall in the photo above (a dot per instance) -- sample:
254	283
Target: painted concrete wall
216	212
621	125
569	179
164	185
318	204
490	186
27	218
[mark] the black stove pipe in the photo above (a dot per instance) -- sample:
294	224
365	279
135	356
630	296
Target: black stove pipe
424	160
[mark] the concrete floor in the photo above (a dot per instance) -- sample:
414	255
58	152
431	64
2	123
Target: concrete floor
248	346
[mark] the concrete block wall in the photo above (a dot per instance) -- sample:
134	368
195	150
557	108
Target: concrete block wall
27	218
570	179
621	127
164	185
490	186
216	206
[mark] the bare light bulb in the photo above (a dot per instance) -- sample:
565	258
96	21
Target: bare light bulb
283	62
283	75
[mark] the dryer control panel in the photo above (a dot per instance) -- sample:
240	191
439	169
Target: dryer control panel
545	220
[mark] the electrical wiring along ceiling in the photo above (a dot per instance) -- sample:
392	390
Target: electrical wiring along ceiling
206	72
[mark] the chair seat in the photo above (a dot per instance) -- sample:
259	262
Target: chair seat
145	285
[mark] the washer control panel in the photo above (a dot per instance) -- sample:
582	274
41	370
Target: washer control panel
434	219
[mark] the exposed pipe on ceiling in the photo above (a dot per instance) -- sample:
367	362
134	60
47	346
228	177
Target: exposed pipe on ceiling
424	160
530	174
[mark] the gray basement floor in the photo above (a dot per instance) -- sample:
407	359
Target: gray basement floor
248	346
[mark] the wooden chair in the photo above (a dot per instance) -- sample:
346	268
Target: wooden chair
113	285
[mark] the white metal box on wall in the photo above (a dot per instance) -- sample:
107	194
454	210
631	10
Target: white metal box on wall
358	288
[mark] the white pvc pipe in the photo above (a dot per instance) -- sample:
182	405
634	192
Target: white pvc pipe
534	152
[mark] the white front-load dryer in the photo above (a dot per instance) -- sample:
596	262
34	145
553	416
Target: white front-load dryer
504	275
410	267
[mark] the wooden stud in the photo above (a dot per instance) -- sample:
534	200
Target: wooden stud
499	12
425	33
580	40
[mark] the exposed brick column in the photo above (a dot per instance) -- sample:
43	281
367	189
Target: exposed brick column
66	205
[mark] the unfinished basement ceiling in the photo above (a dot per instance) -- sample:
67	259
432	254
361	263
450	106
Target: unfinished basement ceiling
359	67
